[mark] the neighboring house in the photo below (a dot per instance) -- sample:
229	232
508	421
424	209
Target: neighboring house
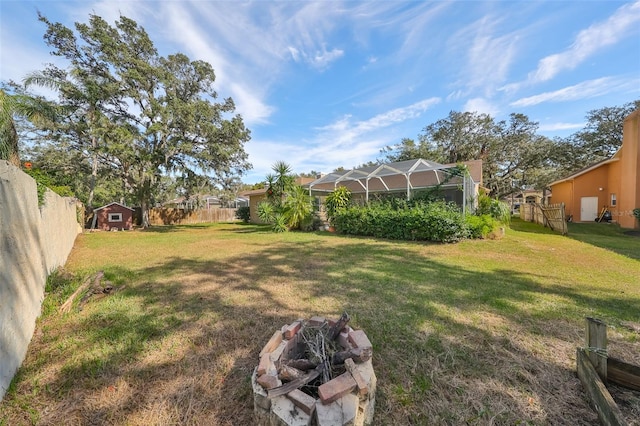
613	183
406	178
516	199
256	196
112	216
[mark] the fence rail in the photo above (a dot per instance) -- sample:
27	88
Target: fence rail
162	216
551	215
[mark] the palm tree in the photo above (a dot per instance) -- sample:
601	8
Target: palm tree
35	109
298	207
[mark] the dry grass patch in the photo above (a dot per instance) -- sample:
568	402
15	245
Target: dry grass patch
481	332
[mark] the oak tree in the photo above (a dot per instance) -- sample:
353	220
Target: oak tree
146	115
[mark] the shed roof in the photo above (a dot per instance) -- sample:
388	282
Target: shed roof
111	204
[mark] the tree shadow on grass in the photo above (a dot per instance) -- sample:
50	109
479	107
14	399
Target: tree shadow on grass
451	345
608	236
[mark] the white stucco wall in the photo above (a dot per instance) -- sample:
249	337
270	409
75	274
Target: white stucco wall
34	241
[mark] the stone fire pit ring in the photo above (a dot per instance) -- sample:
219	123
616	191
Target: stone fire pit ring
283	395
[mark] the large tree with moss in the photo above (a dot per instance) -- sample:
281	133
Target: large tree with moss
140	114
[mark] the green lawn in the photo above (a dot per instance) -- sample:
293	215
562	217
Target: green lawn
480	332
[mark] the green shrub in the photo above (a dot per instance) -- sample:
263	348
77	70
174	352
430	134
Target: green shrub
279	223
243	213
336	201
494	208
63	190
298	207
42	182
636	213
481	226
437	221
266	212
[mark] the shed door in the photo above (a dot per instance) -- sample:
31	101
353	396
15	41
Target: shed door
588	209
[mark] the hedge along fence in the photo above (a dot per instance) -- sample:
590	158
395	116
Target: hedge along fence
436	221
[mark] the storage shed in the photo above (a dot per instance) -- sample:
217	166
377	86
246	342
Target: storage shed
113	216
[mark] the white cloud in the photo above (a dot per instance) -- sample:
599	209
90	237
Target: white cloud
625	21
344	142
381	120
584	90
554	127
294	53
488	57
482	106
324	58
247	95
111	10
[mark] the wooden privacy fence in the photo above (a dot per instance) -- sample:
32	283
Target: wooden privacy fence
163	216
551	215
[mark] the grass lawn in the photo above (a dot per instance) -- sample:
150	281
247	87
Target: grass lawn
480	332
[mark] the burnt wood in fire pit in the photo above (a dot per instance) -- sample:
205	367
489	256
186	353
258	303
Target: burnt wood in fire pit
327	373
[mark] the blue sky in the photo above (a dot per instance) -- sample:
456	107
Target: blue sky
329	83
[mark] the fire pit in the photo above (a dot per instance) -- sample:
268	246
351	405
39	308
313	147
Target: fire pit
315	372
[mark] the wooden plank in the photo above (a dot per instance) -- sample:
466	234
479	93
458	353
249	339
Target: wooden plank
596	345
623	374
607	409
295	384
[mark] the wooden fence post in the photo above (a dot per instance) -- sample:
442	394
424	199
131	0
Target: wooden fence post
596	345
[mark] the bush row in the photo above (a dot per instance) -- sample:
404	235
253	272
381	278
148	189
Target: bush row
436	221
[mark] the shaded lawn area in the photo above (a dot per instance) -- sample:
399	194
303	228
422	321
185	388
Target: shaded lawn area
480	332
606	235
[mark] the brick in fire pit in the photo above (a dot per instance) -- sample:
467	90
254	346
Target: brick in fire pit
315	321
266	365
277	352
272	343
291	330
305	402
359	339
268	381
350	365
343	337
334	389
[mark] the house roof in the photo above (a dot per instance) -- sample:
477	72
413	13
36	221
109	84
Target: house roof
254	192
587	169
110	204
418	173
475	169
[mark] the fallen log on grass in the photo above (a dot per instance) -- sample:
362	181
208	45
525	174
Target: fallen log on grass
66	306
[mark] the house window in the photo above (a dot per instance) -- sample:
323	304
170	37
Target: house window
614	201
115	217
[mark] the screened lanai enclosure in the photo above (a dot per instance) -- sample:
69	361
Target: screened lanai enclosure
407	179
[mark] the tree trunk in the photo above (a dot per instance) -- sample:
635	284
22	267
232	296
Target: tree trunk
94	172
13	156
144	206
